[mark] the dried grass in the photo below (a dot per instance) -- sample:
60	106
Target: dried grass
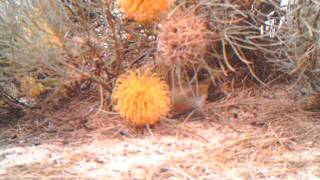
252	134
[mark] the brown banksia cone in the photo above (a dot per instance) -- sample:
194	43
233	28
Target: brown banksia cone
183	39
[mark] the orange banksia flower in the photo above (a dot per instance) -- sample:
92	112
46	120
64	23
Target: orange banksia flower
183	39
144	11
30	87
142	98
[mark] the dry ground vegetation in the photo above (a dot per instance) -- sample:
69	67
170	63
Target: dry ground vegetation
60	61
253	134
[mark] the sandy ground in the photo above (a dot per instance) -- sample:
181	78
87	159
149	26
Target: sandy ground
248	136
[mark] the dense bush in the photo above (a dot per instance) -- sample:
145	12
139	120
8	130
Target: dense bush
49	49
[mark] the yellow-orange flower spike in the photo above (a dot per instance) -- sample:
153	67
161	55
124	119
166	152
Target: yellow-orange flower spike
144	11
142	98
30	87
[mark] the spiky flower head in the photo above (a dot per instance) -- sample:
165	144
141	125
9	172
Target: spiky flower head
144	11
141	97
182	39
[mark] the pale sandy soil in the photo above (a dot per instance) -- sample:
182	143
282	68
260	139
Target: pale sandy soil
249	136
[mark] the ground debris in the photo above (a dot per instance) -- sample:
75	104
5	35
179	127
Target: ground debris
248	136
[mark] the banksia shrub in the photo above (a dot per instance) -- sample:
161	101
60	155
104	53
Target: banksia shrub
142	98
46	38
182	39
302	45
143	11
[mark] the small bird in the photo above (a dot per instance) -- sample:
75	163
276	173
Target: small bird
310	103
188	98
